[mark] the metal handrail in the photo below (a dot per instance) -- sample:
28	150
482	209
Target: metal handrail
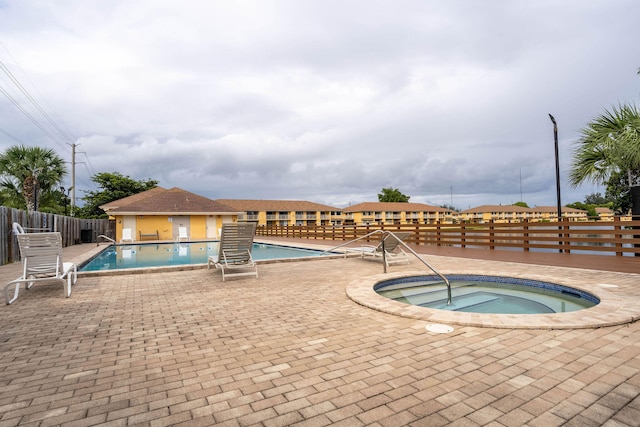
444	279
105	238
351	241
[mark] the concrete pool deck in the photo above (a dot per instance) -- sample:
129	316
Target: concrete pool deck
290	348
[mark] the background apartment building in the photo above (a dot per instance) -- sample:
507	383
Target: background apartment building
370	213
515	214
304	213
285	212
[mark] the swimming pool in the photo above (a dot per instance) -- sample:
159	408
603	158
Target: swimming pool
144	255
487	294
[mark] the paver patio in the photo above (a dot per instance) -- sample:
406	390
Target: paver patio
290	348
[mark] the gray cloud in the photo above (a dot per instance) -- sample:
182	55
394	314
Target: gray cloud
325	101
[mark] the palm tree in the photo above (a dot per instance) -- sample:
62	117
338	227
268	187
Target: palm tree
609	144
30	172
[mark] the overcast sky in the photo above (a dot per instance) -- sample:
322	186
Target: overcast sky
326	101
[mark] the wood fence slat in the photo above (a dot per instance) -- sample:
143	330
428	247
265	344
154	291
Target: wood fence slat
69	227
618	237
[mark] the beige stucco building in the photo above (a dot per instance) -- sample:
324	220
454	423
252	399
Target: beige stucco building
395	213
514	214
285	212
156	214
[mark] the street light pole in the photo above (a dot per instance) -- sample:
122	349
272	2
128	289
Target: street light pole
555	139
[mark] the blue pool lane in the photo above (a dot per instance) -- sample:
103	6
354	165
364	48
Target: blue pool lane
144	255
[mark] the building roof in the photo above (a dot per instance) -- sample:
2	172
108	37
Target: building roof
554	209
132	199
394	207
174	201
496	208
276	205
604	210
516	209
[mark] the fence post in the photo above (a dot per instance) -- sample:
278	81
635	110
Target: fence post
566	236
618	238
492	234
68	227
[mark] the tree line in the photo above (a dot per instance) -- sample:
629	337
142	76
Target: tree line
31	179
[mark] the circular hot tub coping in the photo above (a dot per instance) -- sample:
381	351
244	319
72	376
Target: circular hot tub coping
612	310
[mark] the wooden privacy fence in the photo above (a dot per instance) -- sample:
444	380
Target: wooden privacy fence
594	237
73	230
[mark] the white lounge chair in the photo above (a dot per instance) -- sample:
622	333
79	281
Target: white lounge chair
42	262
126	235
17	228
182	234
393	253
234	251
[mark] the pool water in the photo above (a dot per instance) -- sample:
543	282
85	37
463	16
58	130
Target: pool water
487	294
143	255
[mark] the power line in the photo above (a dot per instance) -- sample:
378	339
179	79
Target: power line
26	113
33	101
66	133
40	118
90	166
15	138
43	121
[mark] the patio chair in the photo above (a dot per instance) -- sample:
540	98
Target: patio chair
17	228
42	262
126	235
234	251
393	253
182	234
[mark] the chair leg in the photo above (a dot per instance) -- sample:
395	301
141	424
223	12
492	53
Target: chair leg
29	285
71	279
67	285
16	292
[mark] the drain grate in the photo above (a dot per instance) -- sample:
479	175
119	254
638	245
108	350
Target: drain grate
439	328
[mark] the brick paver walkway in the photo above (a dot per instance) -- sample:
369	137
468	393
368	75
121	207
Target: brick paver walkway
290	348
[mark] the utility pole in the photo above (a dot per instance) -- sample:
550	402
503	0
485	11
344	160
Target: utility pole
73	177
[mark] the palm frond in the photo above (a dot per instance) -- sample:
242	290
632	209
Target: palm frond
608	144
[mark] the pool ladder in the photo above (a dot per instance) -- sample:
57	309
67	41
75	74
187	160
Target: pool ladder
105	238
403	244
